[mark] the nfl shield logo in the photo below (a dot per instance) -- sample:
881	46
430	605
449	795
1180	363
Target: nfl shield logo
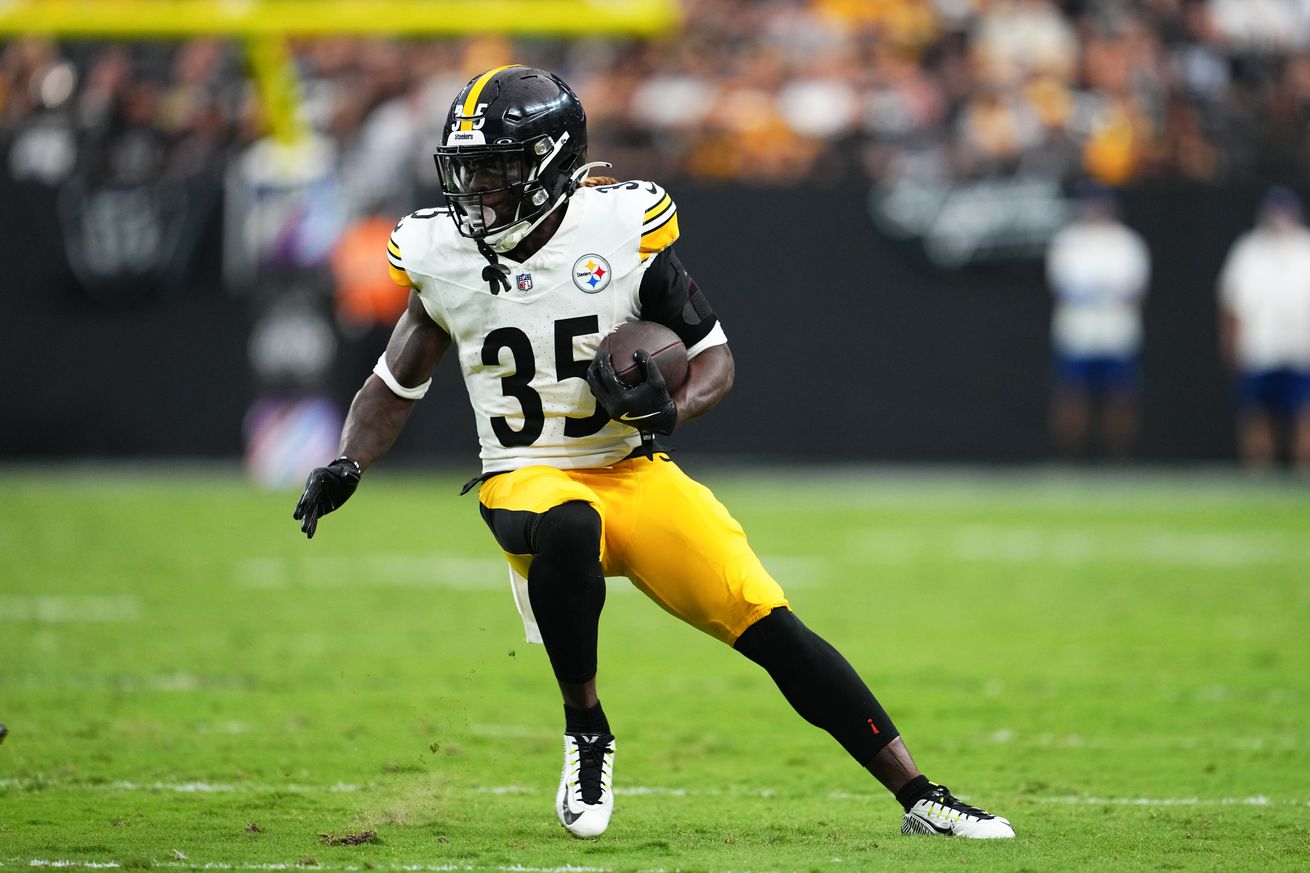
524	281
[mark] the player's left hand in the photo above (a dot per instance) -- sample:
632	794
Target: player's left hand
325	490
646	406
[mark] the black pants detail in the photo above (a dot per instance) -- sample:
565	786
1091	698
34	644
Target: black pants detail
819	683
566	586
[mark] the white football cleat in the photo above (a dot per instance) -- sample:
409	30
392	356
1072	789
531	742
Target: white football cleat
585	799
940	814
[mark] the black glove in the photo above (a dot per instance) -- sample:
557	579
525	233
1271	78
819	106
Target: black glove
646	406
325	490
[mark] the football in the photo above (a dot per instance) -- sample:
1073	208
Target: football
666	350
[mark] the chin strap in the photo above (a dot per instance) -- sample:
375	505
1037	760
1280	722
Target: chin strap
507	239
495	273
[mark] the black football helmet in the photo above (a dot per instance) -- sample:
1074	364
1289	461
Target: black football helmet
515	141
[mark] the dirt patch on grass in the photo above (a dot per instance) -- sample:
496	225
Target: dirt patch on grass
349	839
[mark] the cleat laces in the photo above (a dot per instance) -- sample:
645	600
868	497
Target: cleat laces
590	785
941	813
946	806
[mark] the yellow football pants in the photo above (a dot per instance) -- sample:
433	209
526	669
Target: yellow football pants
660	528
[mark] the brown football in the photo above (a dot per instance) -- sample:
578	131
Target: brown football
666	350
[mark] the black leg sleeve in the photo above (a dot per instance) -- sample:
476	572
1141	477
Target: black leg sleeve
819	683
567	589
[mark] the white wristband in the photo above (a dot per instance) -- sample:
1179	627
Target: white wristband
383	372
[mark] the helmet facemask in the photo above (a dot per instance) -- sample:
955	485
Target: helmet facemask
497	193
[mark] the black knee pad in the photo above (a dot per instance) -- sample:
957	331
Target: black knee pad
566	587
570	529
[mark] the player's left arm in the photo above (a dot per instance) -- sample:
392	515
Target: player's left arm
670	296
709	378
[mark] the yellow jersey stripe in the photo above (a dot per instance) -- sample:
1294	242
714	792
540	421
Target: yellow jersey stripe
400	277
471	101
660	238
653	226
657	208
658	221
393	248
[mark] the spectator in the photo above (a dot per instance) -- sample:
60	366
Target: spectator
995	131
1098	270
786	92
1015	39
1261	25
1265	332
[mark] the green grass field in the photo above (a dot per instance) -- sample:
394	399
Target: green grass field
1120	666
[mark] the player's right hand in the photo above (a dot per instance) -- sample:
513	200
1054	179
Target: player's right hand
645	406
325	490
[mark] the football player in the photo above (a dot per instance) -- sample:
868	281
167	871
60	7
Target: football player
522	273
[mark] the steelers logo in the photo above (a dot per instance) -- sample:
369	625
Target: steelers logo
591	273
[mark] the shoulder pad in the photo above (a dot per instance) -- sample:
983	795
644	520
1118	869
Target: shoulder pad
659	214
409	239
659	221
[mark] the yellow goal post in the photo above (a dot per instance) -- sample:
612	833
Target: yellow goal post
264	26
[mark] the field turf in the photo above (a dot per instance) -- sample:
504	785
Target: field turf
1120	665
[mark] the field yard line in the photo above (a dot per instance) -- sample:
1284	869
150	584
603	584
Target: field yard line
185	787
374	570
349	868
439	571
1078	800
1070	799
620	790
1023	544
629	790
63	608
180	683
1026	544
1257	800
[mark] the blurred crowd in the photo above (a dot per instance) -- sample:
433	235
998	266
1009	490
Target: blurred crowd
769	92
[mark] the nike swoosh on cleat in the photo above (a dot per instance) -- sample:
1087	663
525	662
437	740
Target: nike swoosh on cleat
946	832
627	417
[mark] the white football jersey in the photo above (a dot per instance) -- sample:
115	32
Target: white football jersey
1265	283
524	352
1099	272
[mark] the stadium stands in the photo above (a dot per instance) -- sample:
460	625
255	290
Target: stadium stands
769	93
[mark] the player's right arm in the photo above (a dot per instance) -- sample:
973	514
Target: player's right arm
382	406
378	413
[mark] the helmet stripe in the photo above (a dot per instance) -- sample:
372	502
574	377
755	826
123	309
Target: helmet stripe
471	101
